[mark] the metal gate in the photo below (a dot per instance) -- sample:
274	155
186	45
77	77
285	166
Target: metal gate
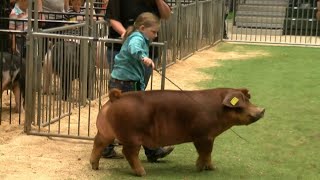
274	21
66	98
67	73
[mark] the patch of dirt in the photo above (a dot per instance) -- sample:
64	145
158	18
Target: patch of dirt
35	157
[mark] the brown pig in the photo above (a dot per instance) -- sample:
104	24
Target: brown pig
161	118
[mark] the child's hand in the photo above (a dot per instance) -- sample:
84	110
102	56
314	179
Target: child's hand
148	62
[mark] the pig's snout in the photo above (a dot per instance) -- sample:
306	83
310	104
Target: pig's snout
258	115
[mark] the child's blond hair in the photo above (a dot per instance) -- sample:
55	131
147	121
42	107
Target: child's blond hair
146	19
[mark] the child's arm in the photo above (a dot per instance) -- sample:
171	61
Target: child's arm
136	49
118	27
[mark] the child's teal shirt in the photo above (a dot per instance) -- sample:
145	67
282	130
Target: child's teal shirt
128	65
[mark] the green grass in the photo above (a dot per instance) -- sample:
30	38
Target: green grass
285	144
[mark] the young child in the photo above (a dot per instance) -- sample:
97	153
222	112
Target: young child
19	12
75	10
128	71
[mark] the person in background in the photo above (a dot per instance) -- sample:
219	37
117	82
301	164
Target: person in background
102	8
19	12
7	6
74	9
89	8
121	14
47	11
51	7
227	7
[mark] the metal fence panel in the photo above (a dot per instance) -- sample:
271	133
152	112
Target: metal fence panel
61	113
12	76
278	22
67	70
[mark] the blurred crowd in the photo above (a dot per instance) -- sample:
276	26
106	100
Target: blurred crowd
52	13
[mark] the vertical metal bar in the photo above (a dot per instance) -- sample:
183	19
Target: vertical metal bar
164	65
79	87
39	77
292	21
286	18
301	23
69	71
296	24
223	19
317	23
197	29
29	70
235	14
179	26
84	59
89	115
306	26
312	21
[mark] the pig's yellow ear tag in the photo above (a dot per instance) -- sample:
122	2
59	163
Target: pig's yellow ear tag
234	101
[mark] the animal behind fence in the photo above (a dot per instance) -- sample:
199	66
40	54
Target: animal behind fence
13	76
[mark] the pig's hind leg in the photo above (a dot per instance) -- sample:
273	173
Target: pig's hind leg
100	143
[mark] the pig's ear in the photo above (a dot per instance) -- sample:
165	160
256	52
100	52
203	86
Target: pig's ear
114	94
245	92
233	100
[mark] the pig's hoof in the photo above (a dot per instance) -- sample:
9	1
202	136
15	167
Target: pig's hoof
94	166
140	172
208	167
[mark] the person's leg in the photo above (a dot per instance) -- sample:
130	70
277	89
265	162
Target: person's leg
109	152
225	34
154	154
